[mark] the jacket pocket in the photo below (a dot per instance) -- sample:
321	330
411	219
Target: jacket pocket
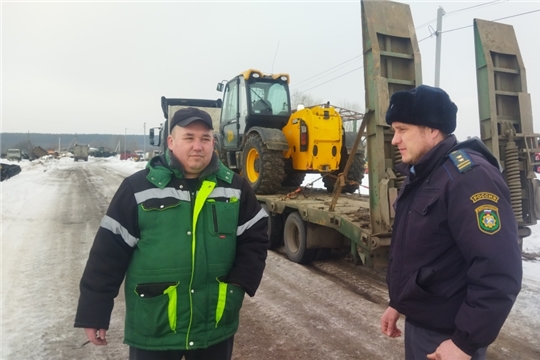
223	215
416	289
230	299
424	205
156	308
157	204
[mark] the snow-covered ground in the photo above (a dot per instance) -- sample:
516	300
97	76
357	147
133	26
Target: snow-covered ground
32	181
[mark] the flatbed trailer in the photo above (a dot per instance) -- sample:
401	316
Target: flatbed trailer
302	222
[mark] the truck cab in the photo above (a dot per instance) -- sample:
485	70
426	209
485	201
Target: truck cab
14	154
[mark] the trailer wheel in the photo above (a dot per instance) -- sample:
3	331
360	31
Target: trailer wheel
263	168
295	239
355	175
275	228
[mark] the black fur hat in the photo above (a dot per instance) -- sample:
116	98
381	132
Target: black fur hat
423	105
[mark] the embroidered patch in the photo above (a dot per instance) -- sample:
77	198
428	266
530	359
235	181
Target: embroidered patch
488	219
484	196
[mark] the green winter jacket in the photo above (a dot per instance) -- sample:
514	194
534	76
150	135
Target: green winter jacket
185	260
174	288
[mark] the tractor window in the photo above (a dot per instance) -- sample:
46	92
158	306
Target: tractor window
269	98
230	102
277	94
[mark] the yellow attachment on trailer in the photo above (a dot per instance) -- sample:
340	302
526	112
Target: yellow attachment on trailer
315	138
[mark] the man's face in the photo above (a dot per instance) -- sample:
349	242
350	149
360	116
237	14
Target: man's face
414	141
193	146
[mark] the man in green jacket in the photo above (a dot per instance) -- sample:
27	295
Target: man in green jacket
190	239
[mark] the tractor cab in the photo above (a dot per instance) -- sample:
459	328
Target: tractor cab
253	99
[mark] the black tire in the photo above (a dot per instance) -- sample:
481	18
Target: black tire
354	177
293	179
262	168
295	240
275	228
323	253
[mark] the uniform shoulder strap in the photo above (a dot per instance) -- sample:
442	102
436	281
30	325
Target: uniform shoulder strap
461	160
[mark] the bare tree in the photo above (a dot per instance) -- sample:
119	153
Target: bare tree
298	98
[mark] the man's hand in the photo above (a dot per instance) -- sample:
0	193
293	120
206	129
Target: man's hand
389	323
448	351
96	336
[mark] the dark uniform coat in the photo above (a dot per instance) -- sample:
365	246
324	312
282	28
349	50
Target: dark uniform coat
455	263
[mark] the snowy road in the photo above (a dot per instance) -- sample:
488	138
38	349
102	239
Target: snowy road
51	211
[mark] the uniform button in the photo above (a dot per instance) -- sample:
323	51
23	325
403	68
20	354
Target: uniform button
191	343
189	232
192	291
159	183
181	186
231	291
161	206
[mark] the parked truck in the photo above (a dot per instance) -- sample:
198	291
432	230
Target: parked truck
80	152
158	135
14	154
311	222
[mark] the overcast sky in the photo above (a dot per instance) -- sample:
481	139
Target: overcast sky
101	67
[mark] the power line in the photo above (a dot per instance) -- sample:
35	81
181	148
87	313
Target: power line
473	7
327	70
326	82
494	2
506	17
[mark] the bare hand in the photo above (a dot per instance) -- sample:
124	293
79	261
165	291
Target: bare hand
448	351
96	336
389	323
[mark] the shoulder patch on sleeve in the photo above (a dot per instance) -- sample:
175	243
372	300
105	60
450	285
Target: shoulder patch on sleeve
484	196
461	160
488	218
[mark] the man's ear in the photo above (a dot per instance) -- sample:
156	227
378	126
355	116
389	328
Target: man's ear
170	142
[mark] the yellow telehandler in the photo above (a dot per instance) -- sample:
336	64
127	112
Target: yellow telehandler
271	146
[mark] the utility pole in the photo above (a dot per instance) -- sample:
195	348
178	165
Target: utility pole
438	33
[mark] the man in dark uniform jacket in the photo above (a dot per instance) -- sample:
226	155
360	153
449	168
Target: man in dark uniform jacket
455	264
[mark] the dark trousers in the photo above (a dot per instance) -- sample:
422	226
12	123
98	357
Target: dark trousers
420	342
219	351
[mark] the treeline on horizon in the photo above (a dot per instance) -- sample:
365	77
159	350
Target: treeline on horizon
110	142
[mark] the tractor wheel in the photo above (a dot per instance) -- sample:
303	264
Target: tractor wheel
263	168
293	179
275	228
295	240
355	175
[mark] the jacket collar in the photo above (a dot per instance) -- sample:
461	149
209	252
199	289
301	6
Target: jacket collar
162	168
